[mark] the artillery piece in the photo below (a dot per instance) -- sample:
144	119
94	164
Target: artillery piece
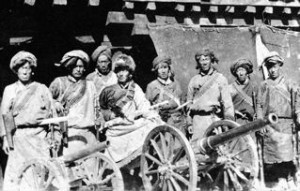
225	159
86	168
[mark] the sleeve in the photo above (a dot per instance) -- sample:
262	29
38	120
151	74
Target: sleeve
149	92
54	88
51	102
228	105
6	105
260	101
142	103
104	105
190	93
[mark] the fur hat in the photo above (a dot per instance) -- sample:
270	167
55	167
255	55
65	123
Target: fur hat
245	63
124	60
20	58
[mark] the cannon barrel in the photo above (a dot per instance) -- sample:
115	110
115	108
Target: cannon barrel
208	144
99	146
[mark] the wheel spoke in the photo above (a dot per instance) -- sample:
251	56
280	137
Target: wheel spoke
152	158
233	146
151	172
226	182
177	155
234	180
175	184
49	181
102	169
171	147
107	178
239	173
181	178
239	152
164	185
180	167
164	146
158	151
34	177
170	187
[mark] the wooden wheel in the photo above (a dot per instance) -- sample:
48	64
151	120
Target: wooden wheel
101	173
42	175
168	161
235	164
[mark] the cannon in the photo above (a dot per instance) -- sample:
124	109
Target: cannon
87	169
224	159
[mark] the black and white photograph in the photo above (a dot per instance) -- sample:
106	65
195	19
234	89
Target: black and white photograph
149	95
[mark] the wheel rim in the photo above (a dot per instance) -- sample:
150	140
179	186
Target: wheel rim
41	175
167	161
101	173
236	164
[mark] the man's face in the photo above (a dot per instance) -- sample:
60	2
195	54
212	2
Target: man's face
163	70
241	74
103	64
123	76
274	71
78	70
204	63
25	73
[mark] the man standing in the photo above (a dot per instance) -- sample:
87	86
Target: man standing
74	97
208	94
102	76
274	96
24	104
127	113
166	88
243	91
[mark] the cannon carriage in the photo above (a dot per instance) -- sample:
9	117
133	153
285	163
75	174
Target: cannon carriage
225	159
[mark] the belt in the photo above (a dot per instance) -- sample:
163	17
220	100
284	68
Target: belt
203	113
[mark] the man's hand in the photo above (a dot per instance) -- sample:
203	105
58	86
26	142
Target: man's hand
59	108
5	146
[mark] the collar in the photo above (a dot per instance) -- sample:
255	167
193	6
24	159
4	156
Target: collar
210	72
73	80
126	85
101	75
21	85
246	83
279	79
164	82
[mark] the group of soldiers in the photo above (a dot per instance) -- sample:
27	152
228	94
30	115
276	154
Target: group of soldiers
109	99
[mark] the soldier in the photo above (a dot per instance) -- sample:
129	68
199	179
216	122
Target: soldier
166	88
274	96
24	104
243	91
102	76
127	113
74	97
208	94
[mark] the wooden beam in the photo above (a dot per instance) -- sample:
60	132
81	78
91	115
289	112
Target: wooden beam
196	8
268	10
129	5
94	2
180	8
250	9
29	2
59	2
151	6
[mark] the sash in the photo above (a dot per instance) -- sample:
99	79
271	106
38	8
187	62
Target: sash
207	85
73	94
283	93
246	98
24	100
167	93
128	97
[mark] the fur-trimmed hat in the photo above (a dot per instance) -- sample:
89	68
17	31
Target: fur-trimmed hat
71	58
245	63
21	58
160	59
273	58
101	50
124	60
